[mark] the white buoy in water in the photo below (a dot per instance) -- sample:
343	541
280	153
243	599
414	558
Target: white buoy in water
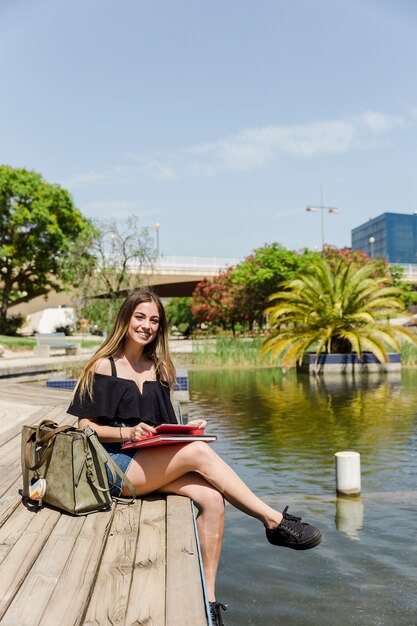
348	472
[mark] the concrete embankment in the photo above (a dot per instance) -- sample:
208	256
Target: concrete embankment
18	365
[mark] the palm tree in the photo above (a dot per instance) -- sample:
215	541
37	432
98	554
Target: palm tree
335	307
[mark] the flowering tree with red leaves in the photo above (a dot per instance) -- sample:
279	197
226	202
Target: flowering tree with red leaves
392	274
215	301
240	294
357	257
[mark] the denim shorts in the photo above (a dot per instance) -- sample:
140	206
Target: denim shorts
123	459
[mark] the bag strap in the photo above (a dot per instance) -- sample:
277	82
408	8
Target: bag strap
46	440
45	424
114	468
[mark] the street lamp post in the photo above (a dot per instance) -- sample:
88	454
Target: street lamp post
321	208
371	243
157	227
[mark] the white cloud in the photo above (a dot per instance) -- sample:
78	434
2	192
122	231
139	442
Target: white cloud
252	148
156	169
380	123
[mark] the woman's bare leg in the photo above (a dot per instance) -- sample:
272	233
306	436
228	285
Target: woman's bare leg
154	468
210	522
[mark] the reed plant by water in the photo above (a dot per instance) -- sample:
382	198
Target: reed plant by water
227	351
408	355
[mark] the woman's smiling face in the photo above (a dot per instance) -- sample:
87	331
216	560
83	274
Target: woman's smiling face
144	323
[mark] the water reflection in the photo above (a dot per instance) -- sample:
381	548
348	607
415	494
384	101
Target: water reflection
289	412
281	432
349	516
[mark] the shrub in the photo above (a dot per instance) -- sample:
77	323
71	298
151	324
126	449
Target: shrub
10	325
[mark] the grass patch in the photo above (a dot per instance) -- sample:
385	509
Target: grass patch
408	354
229	352
17	343
91	343
28	343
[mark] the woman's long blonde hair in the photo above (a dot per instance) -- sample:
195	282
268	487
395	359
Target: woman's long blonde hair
157	350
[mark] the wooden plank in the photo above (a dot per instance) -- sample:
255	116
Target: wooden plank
12	530
44	412
33	394
10	466
183	570
147	594
30	602
13	414
107	568
71	595
10	500
109	600
56	413
19	560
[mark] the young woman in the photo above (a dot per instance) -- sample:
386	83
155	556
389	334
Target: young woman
124	392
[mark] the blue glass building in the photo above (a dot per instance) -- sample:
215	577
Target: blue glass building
390	236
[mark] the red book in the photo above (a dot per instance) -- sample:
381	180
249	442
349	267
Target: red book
169	434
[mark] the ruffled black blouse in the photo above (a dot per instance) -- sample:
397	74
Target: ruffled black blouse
119	402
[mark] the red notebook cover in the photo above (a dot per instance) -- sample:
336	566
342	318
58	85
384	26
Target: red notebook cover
159	440
169	434
179	429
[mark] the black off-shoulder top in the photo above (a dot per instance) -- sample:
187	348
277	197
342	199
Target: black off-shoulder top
119	402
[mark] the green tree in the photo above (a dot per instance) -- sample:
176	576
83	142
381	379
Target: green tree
38	223
95	314
124	250
114	258
239	295
179	314
335	307
259	275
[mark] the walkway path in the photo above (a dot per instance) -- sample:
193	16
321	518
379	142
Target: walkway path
24	362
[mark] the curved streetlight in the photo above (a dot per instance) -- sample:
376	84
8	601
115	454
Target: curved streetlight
321	208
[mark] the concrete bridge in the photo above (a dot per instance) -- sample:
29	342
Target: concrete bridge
179	275
171	276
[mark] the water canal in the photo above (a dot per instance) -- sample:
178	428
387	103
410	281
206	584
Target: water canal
280	432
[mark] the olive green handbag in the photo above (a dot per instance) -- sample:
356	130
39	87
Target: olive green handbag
72	463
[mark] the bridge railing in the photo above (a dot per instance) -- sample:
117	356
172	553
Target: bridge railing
410	271
187	265
196	261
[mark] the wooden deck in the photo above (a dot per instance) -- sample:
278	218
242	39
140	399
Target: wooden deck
134	565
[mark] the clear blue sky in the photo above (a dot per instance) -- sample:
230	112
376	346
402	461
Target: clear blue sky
219	120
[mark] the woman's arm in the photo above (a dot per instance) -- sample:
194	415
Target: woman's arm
117	434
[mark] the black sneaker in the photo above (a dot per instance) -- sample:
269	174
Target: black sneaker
293	533
216	618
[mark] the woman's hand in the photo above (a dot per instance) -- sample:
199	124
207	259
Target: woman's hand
199	423
140	431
